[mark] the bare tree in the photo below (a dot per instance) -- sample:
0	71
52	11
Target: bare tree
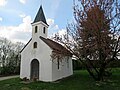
10	56
94	34
5	46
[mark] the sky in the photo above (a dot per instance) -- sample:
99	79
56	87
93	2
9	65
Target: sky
16	17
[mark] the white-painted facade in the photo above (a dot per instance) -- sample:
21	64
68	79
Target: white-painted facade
48	69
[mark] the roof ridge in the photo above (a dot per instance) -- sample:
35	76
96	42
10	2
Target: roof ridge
56	46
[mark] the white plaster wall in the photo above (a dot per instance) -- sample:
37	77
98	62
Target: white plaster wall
46	63
25	62
64	71
42	54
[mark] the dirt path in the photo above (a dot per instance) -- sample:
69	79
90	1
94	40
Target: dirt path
8	77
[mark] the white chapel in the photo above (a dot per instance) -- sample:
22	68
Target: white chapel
36	60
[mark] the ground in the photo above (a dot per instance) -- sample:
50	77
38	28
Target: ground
8	77
79	81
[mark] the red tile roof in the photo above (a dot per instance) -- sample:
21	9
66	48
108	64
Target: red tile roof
56	46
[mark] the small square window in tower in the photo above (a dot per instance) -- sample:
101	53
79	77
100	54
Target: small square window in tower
44	30
36	28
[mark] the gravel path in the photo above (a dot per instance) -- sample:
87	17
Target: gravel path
8	77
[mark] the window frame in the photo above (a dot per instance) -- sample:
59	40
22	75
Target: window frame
44	30
36	29
35	45
58	64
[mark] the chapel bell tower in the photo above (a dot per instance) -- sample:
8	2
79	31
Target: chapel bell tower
39	25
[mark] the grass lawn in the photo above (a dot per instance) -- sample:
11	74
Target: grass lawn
79	81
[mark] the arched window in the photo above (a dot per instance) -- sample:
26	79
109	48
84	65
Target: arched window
58	63
36	28
44	30
35	45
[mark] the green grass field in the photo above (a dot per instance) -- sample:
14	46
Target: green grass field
79	81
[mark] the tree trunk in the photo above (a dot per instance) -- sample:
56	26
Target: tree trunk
101	72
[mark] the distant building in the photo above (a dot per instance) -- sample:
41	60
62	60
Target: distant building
36	61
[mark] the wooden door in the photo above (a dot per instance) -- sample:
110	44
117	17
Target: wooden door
35	69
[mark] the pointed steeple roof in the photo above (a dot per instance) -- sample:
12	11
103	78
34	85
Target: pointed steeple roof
40	16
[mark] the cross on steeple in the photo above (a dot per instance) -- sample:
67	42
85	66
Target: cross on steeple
41	2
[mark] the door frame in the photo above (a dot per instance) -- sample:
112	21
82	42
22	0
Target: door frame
34	61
